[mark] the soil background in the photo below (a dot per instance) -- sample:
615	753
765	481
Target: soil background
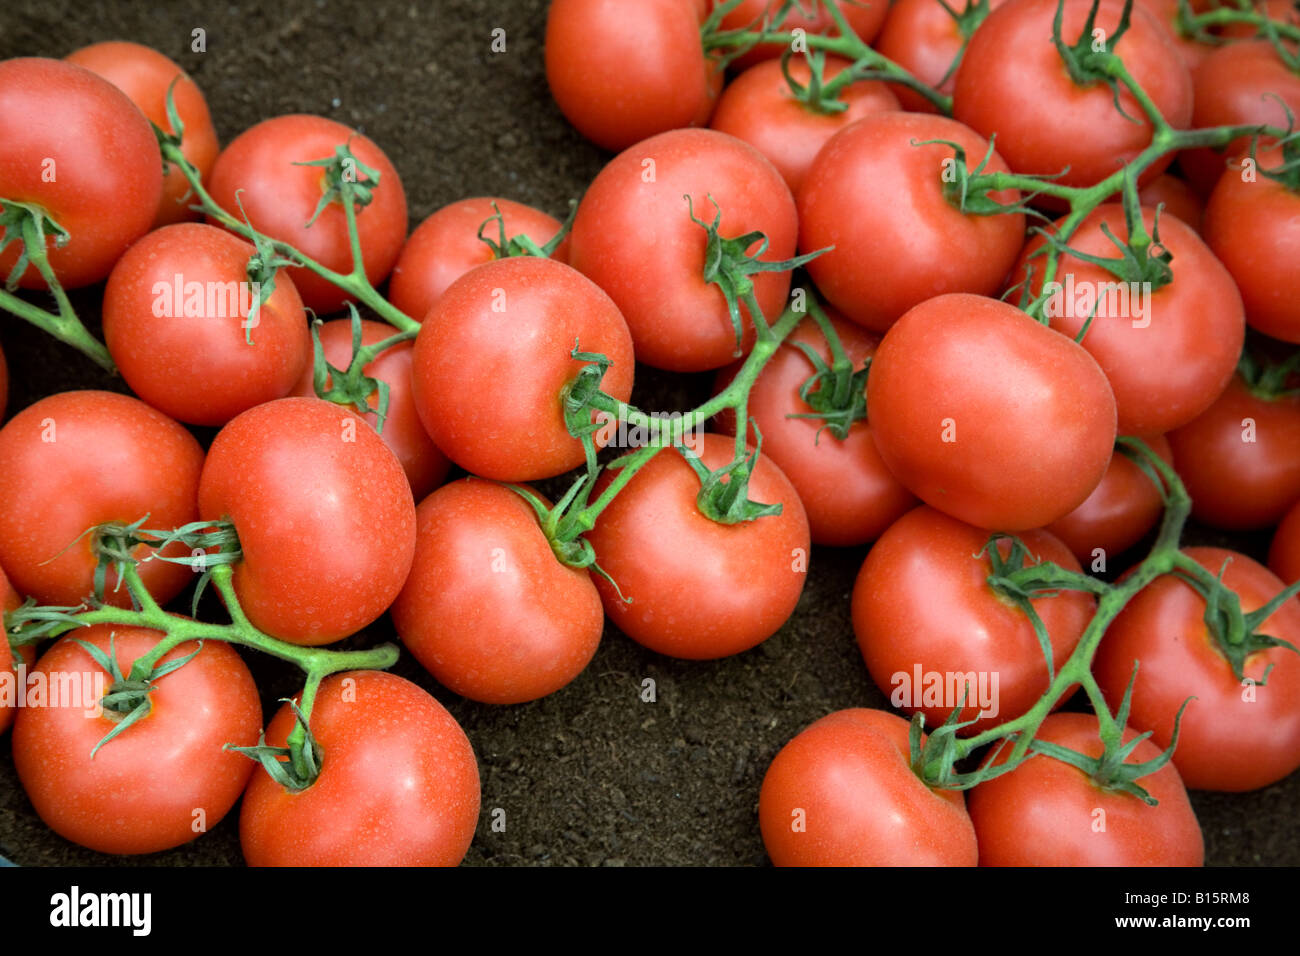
592	775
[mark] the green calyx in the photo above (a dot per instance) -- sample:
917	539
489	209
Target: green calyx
970	190
293	767
724	492
836	393
340	182
31	226
351	386
1267	378
1092	58
504	247
817	94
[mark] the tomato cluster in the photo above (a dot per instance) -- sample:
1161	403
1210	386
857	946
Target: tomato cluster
989	319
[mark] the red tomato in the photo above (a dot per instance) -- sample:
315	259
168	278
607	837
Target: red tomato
145	75
1236	734
446	246
324	514
80	459
927	621
182	292
1240	460
864	16
849	494
623	71
399	783
1254	227
842	793
488	609
1118	513
4	385
1048	813
759	108
1168	353
492	362
280	198
658	547
1284	556
424	464
1179	199
923	38
162	781
634	238
9	600
1191	52
880	201
74	144
989	416
1044	122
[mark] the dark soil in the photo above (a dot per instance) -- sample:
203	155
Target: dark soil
591	775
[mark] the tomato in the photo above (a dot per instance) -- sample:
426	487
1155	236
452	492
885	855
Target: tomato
1044	122
927	622
633	236
1118	513
80	459
446	246
1284	555
160	782
989	416
1254	227
1169	352
1179	199
324	515
759	108
848	493
488	609
145	75
1240	460
1236	734
4	385
923	38
663	554
1049	813
1190	52
9	600
181	293
1239	83
75	145
492	363
864	16
398	786
424	464
280	198
621	72
842	793
880	201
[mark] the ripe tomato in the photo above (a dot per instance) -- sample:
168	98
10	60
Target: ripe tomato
1254	228
654	542
928	622
842	793
73	143
1168	353
4	385
9	600
623	71
759	108
848	493
1191	52
446	246
280	198
492	363
182	292
1284	555
923	38
163	780
1179	199
864	16
989	416
880	201
1049	813
145	75
398	786
1237	734
80	459
1044	122
1118	513
424	464
324	514
488	609
1240	460
633	236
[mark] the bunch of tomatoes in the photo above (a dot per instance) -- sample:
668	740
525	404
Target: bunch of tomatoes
1000	318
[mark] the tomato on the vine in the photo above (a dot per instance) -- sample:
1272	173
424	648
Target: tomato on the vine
1284	554
864	16
925	38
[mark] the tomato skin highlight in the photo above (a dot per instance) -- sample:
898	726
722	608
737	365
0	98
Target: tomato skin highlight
663	553
1025	425
79	459
1044	813
399	783
1232	737
141	791
862	806
107	167
324	514
492	361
